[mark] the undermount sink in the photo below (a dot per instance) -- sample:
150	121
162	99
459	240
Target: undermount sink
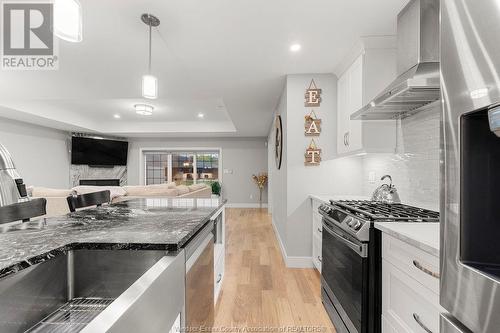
94	291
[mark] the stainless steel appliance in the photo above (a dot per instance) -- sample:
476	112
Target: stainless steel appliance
417	61
12	188
470	174
200	280
351	267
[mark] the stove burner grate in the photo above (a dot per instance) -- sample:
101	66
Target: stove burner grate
378	211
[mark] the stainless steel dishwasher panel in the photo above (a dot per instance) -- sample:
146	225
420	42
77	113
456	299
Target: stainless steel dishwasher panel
200	280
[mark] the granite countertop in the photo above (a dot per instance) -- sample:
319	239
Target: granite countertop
425	236
146	223
326	197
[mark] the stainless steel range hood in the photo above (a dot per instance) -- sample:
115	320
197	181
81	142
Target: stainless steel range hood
418	83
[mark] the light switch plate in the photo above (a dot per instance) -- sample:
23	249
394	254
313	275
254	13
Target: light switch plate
228	171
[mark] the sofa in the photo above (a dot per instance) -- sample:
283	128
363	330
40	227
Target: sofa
57	204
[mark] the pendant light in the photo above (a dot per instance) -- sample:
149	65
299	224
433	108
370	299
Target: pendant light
149	81
68	20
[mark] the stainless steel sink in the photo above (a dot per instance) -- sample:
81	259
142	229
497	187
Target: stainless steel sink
95	291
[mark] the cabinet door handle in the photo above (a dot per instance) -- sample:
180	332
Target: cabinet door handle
320	231
419	322
347	138
319	259
219	277
425	270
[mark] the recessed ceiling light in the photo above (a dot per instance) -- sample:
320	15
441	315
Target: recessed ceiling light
201	115
295	47
144	109
117	116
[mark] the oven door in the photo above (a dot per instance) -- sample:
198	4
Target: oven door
344	278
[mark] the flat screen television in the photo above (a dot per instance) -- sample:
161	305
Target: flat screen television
92	151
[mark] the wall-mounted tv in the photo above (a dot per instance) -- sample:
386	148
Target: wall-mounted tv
91	151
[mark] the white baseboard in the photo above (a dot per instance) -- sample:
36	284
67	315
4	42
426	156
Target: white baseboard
292	262
245	205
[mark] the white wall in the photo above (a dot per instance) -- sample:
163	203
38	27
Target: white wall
40	154
245	156
278	178
290	204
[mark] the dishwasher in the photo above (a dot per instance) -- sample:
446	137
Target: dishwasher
200	280
92	291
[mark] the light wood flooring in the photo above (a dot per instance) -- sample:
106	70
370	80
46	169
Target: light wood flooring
259	291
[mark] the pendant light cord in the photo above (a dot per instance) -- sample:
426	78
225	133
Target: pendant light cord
150	42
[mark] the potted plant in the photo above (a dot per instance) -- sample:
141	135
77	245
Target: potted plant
261	182
216	188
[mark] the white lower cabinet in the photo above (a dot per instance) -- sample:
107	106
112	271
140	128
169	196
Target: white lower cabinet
317	229
219	220
410	303
218	277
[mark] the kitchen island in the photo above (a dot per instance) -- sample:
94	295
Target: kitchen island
138	224
125	267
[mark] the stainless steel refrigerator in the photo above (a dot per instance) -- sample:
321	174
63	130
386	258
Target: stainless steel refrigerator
470	169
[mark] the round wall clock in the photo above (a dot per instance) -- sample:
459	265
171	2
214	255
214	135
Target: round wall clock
278	141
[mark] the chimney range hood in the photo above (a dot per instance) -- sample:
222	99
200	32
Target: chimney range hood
418	83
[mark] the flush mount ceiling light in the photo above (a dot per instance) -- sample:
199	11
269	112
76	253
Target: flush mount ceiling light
479	93
201	115
149	81
144	109
117	116
295	47
68	20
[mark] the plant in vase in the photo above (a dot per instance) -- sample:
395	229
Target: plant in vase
216	188
261	182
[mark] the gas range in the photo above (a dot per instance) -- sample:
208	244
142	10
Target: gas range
356	217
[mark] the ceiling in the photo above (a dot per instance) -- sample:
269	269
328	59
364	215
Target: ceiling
226	59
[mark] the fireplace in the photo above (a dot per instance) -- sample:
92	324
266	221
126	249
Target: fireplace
100	182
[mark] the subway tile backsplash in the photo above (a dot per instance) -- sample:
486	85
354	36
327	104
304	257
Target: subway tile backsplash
415	166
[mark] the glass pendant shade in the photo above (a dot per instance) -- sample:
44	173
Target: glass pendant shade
149	87
68	20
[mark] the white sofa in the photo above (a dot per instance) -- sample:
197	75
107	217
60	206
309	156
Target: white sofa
57	204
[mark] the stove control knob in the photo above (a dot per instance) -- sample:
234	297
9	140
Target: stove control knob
348	220
357	225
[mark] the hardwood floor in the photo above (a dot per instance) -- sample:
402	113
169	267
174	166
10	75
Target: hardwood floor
259	291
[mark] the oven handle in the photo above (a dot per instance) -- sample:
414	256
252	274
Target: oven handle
362	249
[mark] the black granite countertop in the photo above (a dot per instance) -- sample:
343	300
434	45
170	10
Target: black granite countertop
138	224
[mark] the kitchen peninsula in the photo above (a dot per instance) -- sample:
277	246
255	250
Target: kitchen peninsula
113	256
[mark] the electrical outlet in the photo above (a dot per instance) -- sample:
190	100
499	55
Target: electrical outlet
251	196
228	171
372	177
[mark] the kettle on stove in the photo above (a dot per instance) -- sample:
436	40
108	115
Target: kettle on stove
386	192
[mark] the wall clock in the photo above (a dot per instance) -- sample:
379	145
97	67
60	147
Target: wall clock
278	141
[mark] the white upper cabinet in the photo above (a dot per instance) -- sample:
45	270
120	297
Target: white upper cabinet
368	72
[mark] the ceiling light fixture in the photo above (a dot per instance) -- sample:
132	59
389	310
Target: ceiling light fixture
117	116
479	93
68	20
201	115
149	81
144	109
295	47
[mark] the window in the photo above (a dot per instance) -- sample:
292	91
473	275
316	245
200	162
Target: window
181	167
